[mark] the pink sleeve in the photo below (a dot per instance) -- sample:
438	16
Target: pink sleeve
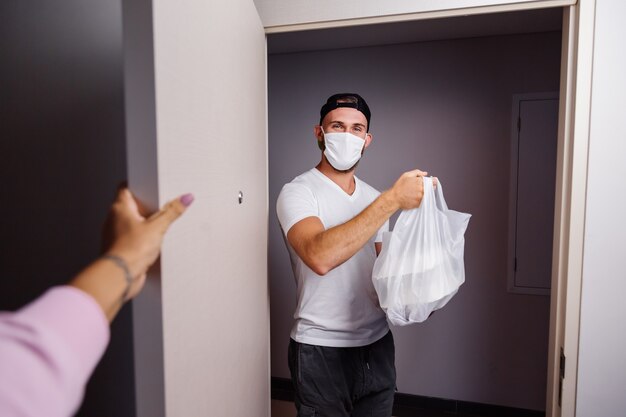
48	350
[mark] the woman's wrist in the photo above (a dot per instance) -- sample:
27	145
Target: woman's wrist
121	264
131	259
105	282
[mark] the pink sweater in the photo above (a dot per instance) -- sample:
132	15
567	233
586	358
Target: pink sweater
48	350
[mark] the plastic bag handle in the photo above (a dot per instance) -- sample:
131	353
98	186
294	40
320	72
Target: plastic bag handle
429	197
439	200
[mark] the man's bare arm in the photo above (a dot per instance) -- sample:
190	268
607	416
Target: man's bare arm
323	250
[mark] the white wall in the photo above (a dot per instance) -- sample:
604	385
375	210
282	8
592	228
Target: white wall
61	157
602	366
197	116
281	12
444	107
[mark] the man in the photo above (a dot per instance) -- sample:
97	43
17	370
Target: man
341	352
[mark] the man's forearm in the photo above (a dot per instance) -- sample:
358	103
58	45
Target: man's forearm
336	245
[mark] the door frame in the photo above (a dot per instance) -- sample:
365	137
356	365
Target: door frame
571	176
570	206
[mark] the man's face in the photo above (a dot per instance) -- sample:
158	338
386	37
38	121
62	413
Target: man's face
344	119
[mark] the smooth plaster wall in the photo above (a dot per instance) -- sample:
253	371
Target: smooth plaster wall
281	12
601	363
444	107
62	155
207	109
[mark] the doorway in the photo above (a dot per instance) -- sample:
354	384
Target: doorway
440	93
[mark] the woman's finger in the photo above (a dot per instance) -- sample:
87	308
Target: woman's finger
129	204
171	211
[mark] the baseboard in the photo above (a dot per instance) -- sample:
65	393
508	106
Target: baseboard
282	389
409	405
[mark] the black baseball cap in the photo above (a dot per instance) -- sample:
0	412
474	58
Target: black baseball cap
352	100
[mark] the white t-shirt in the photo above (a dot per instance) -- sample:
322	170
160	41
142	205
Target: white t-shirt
339	309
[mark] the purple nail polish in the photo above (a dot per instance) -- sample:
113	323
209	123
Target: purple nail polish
187	199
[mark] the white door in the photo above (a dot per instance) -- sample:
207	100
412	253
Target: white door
196	121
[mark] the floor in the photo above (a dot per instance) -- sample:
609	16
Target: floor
287	409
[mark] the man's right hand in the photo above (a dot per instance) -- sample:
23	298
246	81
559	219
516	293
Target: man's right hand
408	190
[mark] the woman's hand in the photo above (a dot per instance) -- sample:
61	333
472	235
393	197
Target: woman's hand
132	242
135	237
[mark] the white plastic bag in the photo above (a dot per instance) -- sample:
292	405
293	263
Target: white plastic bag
421	265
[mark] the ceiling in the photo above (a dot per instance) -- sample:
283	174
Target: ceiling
528	21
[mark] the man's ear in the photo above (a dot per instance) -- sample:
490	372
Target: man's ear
319	135
368	140
317	131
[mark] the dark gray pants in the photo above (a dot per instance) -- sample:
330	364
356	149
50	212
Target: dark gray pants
343	382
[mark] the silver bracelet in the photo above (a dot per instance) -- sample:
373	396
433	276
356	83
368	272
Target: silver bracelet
122	264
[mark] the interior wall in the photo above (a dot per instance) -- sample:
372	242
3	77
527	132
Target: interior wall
62	155
445	107
601	363
282	12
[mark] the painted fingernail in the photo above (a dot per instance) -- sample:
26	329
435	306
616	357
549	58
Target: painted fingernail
187	199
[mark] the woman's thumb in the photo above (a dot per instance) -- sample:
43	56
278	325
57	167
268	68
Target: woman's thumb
172	211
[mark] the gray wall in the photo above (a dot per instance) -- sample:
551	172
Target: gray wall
62	154
444	107
602	367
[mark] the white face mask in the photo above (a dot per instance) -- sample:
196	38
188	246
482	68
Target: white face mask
343	149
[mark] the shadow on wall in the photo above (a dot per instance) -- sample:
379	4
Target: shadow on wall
63	154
